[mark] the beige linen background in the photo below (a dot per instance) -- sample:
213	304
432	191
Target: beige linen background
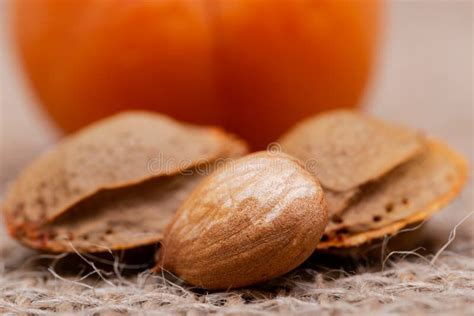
423	78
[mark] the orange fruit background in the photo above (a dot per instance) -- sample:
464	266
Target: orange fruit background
254	67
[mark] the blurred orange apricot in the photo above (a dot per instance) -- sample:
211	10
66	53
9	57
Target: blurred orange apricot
254	67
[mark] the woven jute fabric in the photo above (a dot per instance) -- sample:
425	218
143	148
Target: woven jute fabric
397	282
424	80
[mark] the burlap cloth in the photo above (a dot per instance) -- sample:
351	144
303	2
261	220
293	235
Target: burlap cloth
424	79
